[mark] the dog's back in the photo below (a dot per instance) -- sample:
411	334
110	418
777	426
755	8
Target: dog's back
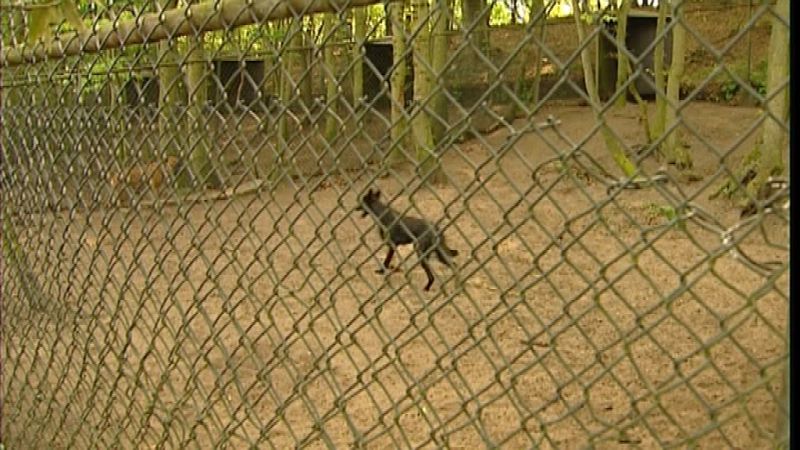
402	230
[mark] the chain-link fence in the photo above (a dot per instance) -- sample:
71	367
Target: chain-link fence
199	199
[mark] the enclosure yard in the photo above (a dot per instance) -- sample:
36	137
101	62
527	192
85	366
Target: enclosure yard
259	319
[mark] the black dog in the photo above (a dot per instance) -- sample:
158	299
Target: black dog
397	230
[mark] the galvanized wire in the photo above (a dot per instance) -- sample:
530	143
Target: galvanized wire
185	263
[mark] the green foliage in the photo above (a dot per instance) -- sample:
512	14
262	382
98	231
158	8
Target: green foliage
501	11
252	39
609	19
500	14
524	89
729	89
562	8
594	15
758	81
758	78
666	211
587	17
376	21
673	215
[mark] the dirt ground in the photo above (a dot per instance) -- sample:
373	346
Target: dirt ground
260	321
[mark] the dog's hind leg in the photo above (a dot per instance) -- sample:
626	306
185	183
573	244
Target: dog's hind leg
445	256
428	272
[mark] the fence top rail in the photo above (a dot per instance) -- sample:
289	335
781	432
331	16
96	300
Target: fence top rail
177	22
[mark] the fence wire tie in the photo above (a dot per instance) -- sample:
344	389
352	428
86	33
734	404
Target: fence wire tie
574	153
727	237
635	183
187	263
550	122
770	194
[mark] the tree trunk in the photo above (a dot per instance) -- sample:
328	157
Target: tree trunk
658	73
331	83
612	145
169	95
120	126
622	58
767	157
773	137
301	80
537	16
201	160
513	9
773	145
286	86
359	34
675	151
475	18
643	113
398	84
440	116
427	160
388	20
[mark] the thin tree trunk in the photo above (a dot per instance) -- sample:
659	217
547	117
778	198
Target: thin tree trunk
331	82
539	13
622	58
285	87
117	94
642	104
658	72
201	160
388	20
359	34
427	160
612	145
475	17
300	54
440	117
398	84
530	53
513	9
773	138
676	152
169	95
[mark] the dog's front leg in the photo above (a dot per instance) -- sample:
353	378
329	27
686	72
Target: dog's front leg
387	262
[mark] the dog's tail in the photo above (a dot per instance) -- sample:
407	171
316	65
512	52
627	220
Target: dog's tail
445	254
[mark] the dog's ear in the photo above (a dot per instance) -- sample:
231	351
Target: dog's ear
372	194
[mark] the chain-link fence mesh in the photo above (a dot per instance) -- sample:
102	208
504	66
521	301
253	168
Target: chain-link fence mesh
191	236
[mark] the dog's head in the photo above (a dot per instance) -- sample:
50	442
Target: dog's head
367	200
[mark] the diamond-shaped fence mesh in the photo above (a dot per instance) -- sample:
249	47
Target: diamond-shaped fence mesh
353	223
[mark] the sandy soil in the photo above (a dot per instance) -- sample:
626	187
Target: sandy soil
260	321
